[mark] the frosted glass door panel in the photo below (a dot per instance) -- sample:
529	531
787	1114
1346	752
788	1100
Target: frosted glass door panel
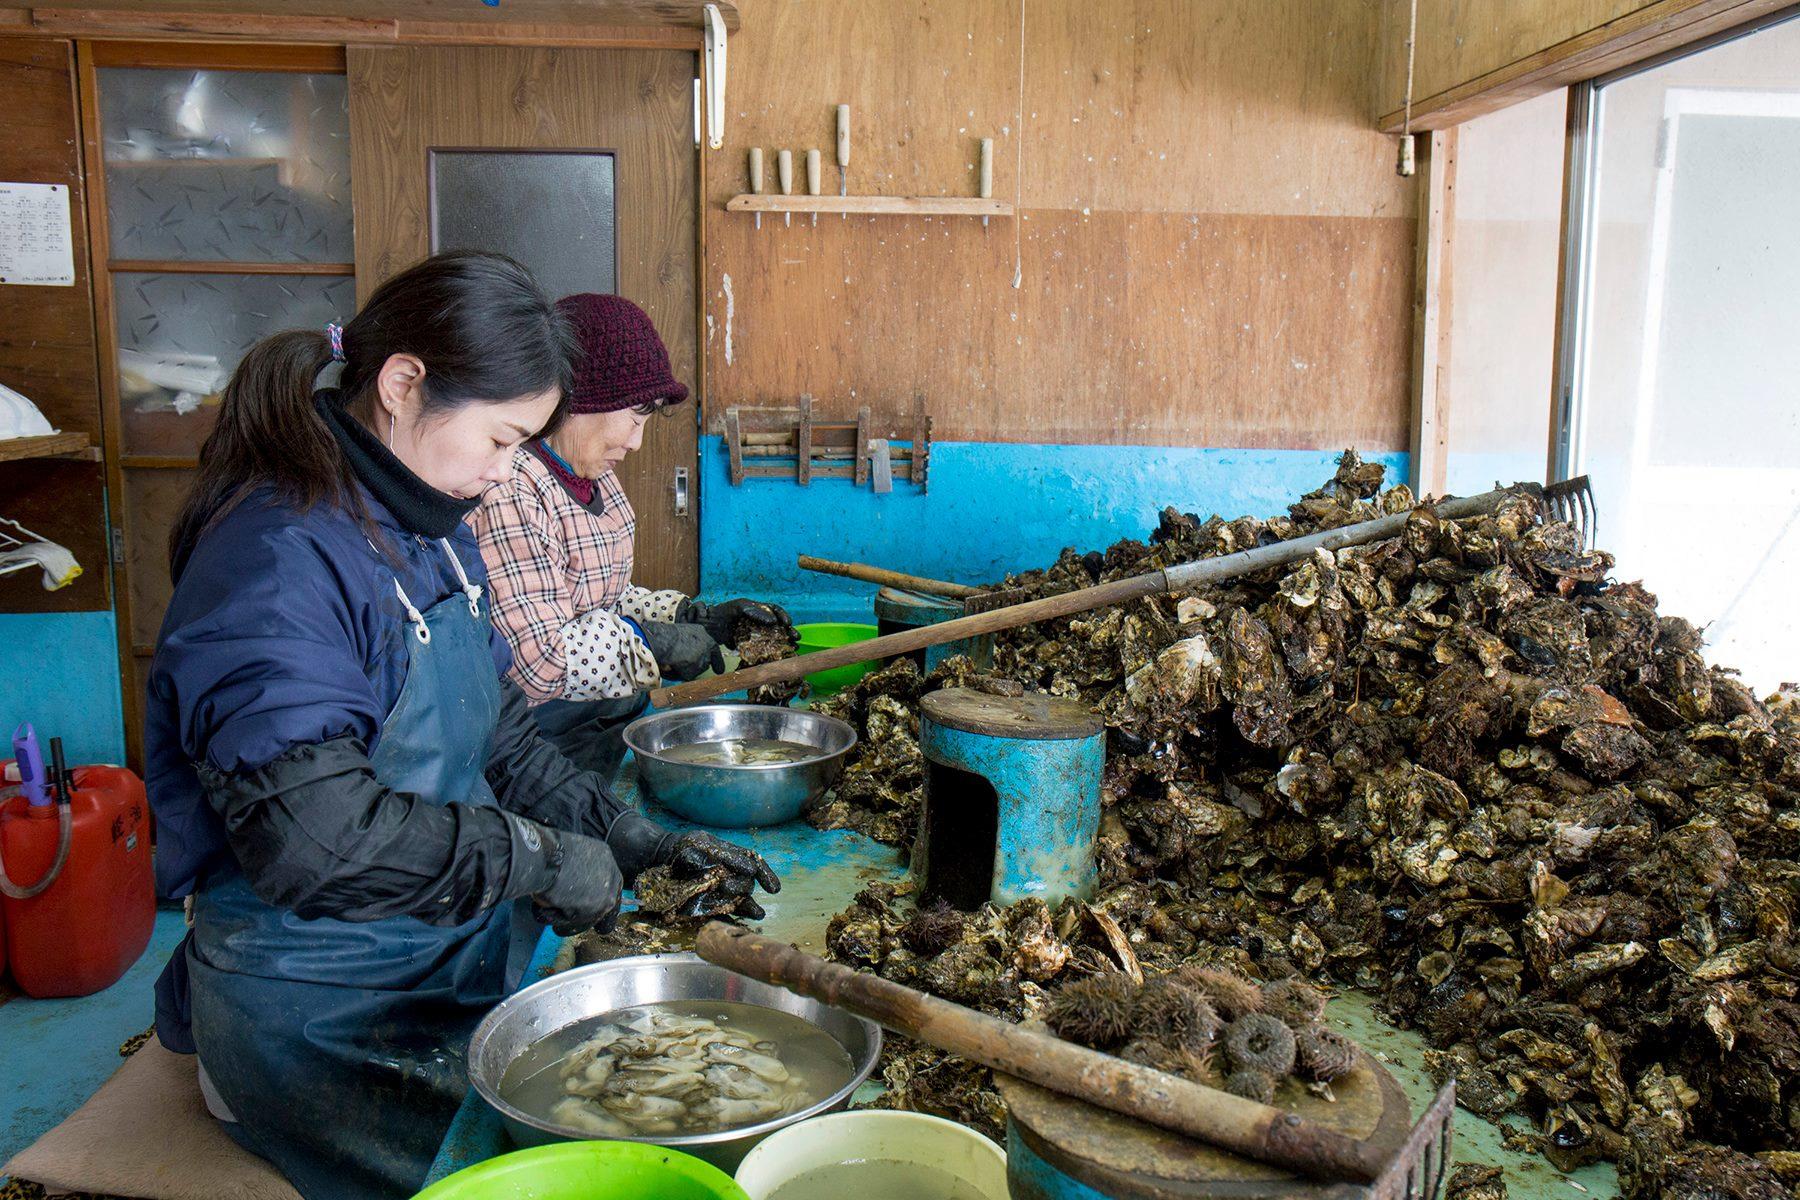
551	211
226	166
181	336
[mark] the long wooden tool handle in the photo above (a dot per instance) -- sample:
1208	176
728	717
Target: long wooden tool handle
1257	1131
786	670
887	578
1176	578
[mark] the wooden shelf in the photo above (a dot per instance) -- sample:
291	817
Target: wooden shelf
912	206
49	445
162	266
114	164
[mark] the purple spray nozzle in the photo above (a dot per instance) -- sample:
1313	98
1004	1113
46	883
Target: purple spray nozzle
33	780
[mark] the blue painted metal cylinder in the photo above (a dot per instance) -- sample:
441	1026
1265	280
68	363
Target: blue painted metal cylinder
1029	1176
1061	1148
1012	798
897	610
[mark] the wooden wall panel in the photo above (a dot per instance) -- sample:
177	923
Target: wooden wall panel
1204	106
1214	248
47	335
1474	56
637	103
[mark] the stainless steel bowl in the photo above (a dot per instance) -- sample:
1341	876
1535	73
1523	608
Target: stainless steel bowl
576	995
737	797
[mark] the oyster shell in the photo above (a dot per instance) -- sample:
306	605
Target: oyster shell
1462	769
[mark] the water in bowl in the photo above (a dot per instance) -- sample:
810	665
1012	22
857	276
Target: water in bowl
878	1179
741	752
676	1068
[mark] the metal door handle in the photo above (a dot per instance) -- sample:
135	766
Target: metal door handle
681	491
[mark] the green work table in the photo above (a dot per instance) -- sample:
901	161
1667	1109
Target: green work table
821	871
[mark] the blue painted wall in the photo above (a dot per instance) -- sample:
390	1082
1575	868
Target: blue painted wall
60	671
992	508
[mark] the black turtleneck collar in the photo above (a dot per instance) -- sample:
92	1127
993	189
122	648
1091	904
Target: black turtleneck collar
416	505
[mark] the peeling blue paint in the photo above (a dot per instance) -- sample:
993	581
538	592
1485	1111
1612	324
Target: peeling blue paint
992	508
1047	792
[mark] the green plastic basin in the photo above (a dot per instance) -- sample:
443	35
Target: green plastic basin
588	1171
823	636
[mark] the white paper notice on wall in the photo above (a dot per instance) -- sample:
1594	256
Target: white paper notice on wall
37	245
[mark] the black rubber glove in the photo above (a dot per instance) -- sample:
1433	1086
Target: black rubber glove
696	853
720	620
584	893
682	651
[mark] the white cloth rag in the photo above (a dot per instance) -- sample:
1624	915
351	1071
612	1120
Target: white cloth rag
60	567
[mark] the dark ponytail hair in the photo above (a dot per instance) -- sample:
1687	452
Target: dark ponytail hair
478	322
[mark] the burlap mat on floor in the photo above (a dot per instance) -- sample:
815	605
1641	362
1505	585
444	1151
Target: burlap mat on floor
146	1134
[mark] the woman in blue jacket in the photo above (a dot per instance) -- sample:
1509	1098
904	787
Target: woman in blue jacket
355	800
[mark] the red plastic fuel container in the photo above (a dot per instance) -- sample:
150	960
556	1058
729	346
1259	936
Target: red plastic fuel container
82	932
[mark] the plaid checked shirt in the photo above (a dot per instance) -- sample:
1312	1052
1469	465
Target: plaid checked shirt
560	578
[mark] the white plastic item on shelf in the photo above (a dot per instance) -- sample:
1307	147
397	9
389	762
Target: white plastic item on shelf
174	370
21	549
19	417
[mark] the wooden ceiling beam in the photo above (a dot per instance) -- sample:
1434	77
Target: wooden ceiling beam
655	24
1654	29
134	25
677	13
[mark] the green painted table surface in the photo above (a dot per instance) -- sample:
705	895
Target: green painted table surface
821	871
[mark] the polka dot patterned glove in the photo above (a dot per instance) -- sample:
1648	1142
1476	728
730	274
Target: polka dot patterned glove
605	659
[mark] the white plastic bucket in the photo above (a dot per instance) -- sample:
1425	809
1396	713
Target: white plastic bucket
876	1135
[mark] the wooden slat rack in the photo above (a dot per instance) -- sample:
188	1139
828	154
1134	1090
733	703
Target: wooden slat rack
788	442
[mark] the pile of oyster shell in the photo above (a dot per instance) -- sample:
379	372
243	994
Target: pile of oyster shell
1462	769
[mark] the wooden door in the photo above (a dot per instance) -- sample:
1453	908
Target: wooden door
636	105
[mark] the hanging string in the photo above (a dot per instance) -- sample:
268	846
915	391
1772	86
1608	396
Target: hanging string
1019	165
1406	165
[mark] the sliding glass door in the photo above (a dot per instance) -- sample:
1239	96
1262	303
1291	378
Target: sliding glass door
1682	387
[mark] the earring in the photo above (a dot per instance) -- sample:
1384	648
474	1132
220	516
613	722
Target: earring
390	431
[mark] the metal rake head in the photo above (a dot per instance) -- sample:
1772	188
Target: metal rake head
1572	502
1421	1164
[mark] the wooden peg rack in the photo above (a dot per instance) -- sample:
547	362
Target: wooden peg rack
784	442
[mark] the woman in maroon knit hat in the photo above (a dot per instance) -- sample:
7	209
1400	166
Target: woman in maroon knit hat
588	643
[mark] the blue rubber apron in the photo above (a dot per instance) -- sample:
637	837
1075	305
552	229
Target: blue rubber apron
340	1047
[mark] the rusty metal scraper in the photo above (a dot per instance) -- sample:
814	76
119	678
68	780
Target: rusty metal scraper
1572	502
1419	1167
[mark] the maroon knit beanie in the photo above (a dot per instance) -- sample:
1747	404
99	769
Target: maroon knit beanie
621	362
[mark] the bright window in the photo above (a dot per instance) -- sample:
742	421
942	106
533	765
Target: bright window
1684	384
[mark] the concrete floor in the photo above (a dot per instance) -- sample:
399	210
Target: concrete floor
57	1053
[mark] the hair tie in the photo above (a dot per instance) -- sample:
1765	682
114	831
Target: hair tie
335	332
